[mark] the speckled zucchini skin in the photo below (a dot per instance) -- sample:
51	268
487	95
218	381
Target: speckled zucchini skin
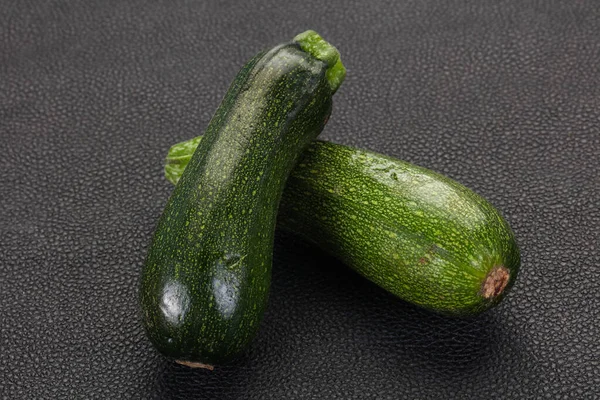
206	280
419	235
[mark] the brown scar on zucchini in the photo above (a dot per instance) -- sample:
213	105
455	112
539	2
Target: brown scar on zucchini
495	282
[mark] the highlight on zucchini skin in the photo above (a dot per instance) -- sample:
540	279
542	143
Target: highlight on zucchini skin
418	234
205	282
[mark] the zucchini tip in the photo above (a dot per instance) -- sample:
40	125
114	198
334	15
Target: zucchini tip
495	282
195	365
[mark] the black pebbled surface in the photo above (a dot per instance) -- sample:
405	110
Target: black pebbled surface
503	96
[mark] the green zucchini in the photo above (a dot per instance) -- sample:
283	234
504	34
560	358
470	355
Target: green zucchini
205	282
421	236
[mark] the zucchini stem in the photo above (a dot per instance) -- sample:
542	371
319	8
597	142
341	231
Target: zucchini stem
312	43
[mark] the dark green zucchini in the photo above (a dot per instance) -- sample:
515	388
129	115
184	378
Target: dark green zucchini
206	279
421	236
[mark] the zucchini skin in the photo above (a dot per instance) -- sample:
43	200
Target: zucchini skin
206	279
418	234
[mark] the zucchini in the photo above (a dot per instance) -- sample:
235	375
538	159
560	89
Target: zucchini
205	282
421	236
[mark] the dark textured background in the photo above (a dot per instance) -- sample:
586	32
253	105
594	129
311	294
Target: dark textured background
503	96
